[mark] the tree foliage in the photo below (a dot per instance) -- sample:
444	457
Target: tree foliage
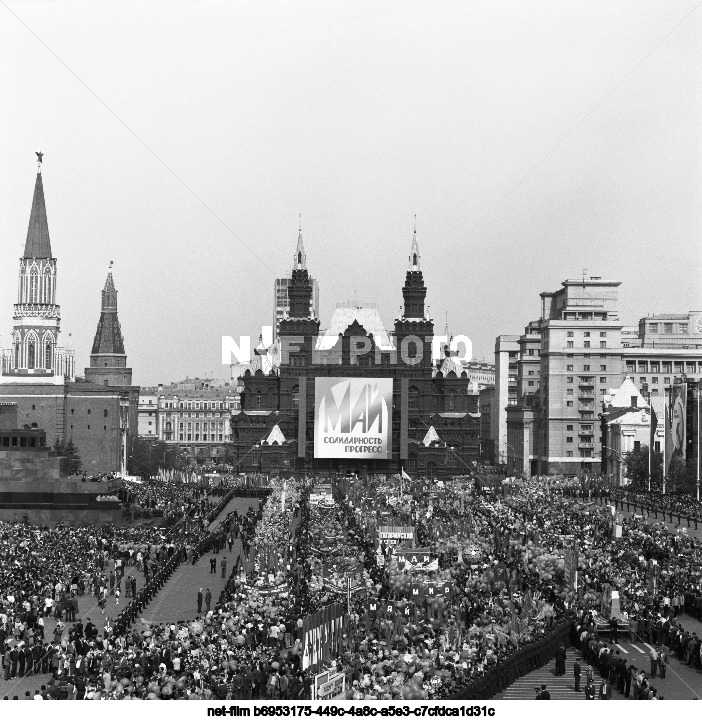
147	457
681	476
636	469
69	450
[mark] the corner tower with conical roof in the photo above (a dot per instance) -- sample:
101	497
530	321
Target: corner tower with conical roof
36	354
108	361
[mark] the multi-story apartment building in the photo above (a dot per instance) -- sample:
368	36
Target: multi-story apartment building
506	369
193	415
581	351
148	412
580	361
520	415
669	346
488	411
480	373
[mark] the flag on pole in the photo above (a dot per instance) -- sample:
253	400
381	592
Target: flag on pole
282	497
668	442
403	477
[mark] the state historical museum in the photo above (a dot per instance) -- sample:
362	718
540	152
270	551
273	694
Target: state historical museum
431	416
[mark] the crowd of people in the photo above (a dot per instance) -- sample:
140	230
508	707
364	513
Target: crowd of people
513	570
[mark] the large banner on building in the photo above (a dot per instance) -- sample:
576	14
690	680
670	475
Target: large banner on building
678	416
353	418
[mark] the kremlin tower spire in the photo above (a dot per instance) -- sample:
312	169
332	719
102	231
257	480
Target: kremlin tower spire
38	244
35	348
108	360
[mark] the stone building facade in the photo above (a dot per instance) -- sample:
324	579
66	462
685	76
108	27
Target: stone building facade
435	419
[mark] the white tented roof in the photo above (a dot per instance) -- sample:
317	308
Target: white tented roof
344	316
621	397
275	436
431	437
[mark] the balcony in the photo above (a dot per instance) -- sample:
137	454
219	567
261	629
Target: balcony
585	407
586	393
586	444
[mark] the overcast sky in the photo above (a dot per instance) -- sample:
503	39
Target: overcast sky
358	115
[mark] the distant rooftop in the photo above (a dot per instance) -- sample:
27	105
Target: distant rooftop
668	316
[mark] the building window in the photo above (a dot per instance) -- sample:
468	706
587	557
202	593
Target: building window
33	287
569	427
637	445
586	368
603	334
569	454
603	344
570	334
569	391
569	368
569	379
258	400
667	328
569	404
531	384
295	397
587	333
47	356
603	391
666	381
31	355
586	344
603	368
654	379
653	327
569	439
570	344
603	379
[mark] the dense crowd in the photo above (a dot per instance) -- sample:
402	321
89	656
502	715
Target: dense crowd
504	584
